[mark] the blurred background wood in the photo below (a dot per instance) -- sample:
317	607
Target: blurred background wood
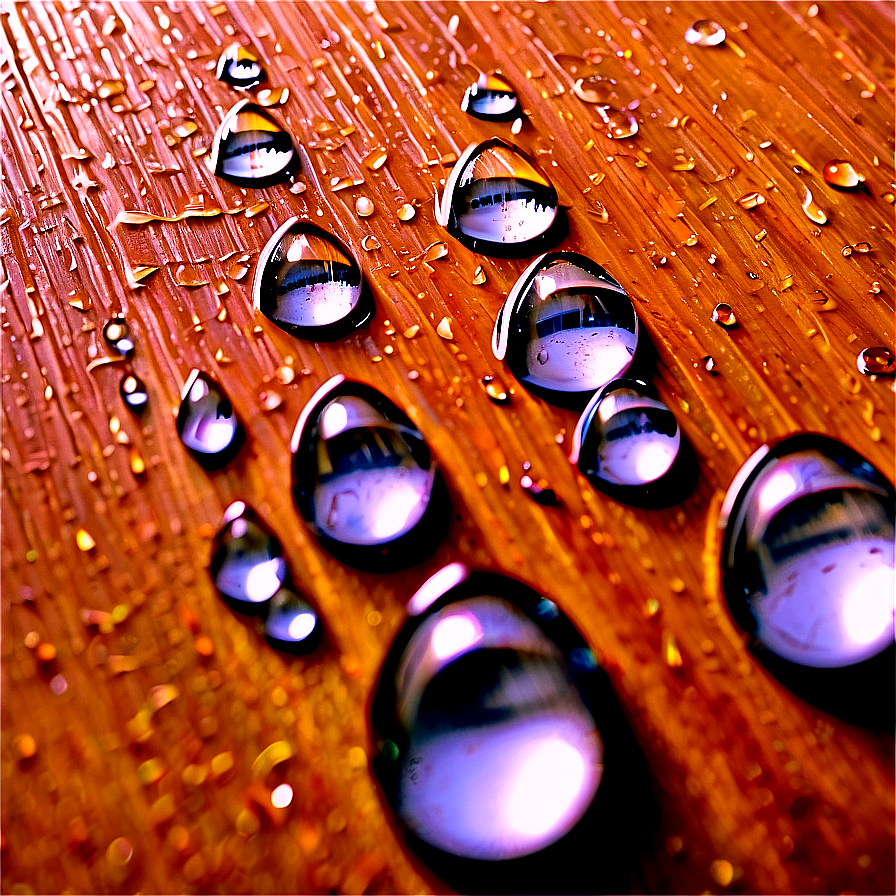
128	739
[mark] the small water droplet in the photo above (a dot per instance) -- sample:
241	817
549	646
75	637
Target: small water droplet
207	423
495	390
364	207
292	625
406	212
813	212
751	200
133	392
877	361
491	98
273	96
595	89
841	174
435	251
411	331
620	124
240	68
724	314
722	872
539	492
84	540
370	243
875	288
705	33
671	653
862	248
110	88
376	158
444	329
479	276
846	251
117	333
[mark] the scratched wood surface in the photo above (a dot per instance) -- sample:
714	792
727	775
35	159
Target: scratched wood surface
130	735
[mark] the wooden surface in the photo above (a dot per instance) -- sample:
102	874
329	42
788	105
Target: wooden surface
758	791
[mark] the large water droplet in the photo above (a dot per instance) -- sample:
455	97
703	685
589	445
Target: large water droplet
705	33
567	326
876	361
807	563
630	447
503	751
364	478
499	202
247	566
292	624
491	98
240	68
207	423
841	174
251	149
308	284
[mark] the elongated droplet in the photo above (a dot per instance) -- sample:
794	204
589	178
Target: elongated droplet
841	174
133	393
876	361
491	98
292	624
751	200
813	212
619	124
308	284
251	149
705	33
207	423
567	326
364	478
723	315
240	68
499	202
117	333
629	445
247	565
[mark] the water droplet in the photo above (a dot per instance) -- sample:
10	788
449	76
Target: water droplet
495	390
813	212
722	872
292	625
705	33
207	423
498	202
84	540
629	446
724	314
840	174
240	68
247	566
567	326
117	333
251	149
376	158
364	478
444	329
619	123
501	736
308	284
877	361
406	212
364	207
863	248
133	392
540	491
595	89
479	276
109	89
273	96
751	200
491	98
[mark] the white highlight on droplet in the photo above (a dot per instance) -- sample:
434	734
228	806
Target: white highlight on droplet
868	605
455	634
281	796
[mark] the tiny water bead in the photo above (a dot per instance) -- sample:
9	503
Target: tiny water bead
491	98
117	333
365	480
251	149
841	174
620	124
705	33
133	392
499	202
630	447
503	751
207	423
240	68
292	625
567	326
876	361
723	314
750	201
308	284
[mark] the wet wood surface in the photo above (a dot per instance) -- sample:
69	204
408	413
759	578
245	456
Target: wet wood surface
130	736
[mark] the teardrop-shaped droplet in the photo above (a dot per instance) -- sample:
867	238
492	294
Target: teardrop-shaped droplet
840	174
308	284
705	33
240	68
567	326
364	478
117	333
807	563
876	361
251	149
207	423
630	446
812	210
292	624
491	98
619	124
499	202
500	738
133	392
247	565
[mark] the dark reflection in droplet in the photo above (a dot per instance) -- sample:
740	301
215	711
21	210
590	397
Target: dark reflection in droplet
133	392
491	98
251	149
247	566
240	68
117	333
308	284
499	202
292	624
630	447
365	480
504	753
566	327
207	423
807	561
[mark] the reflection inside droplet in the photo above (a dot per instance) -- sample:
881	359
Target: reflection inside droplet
207	423
491	98
239	68
292	624
705	33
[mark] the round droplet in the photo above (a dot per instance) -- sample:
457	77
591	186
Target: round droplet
406	212
705	33
207	423
292	625
499	202
239	68
723	314
491	98
365	480
364	207
251	149
133	392
308	284
595	89
807	557
619	123
117	333
876	361
841	174
502	739
247	565
567	326
629	446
